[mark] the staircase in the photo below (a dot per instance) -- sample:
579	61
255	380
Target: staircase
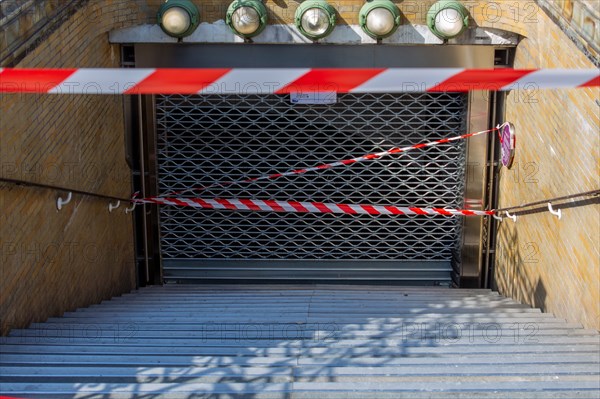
196	341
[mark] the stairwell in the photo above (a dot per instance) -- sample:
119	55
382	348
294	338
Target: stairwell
201	341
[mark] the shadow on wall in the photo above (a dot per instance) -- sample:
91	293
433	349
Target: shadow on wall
539	296
515	258
512	260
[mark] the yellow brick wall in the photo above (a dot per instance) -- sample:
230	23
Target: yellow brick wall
503	14
52	262
550	263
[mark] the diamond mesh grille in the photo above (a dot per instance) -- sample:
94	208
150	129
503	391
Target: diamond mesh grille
205	139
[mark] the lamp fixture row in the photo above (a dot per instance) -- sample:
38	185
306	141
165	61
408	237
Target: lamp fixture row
315	19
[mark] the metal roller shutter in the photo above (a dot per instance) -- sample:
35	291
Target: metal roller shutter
206	139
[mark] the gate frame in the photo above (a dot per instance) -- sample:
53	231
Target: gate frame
471	264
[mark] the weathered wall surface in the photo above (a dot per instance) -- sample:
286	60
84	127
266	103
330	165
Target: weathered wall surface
549	263
52	261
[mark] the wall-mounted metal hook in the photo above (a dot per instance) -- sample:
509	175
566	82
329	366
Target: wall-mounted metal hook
556	213
112	207
501	125
60	202
498	218
131	208
513	217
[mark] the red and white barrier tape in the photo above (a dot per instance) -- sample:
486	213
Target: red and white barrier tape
345	162
287	80
306	207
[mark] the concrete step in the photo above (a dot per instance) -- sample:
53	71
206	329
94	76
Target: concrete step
302	342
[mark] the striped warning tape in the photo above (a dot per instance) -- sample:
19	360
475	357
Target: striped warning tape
345	162
287	80
306	207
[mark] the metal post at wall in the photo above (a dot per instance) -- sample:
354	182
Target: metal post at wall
491	200
143	187
151	187
142	151
503	58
